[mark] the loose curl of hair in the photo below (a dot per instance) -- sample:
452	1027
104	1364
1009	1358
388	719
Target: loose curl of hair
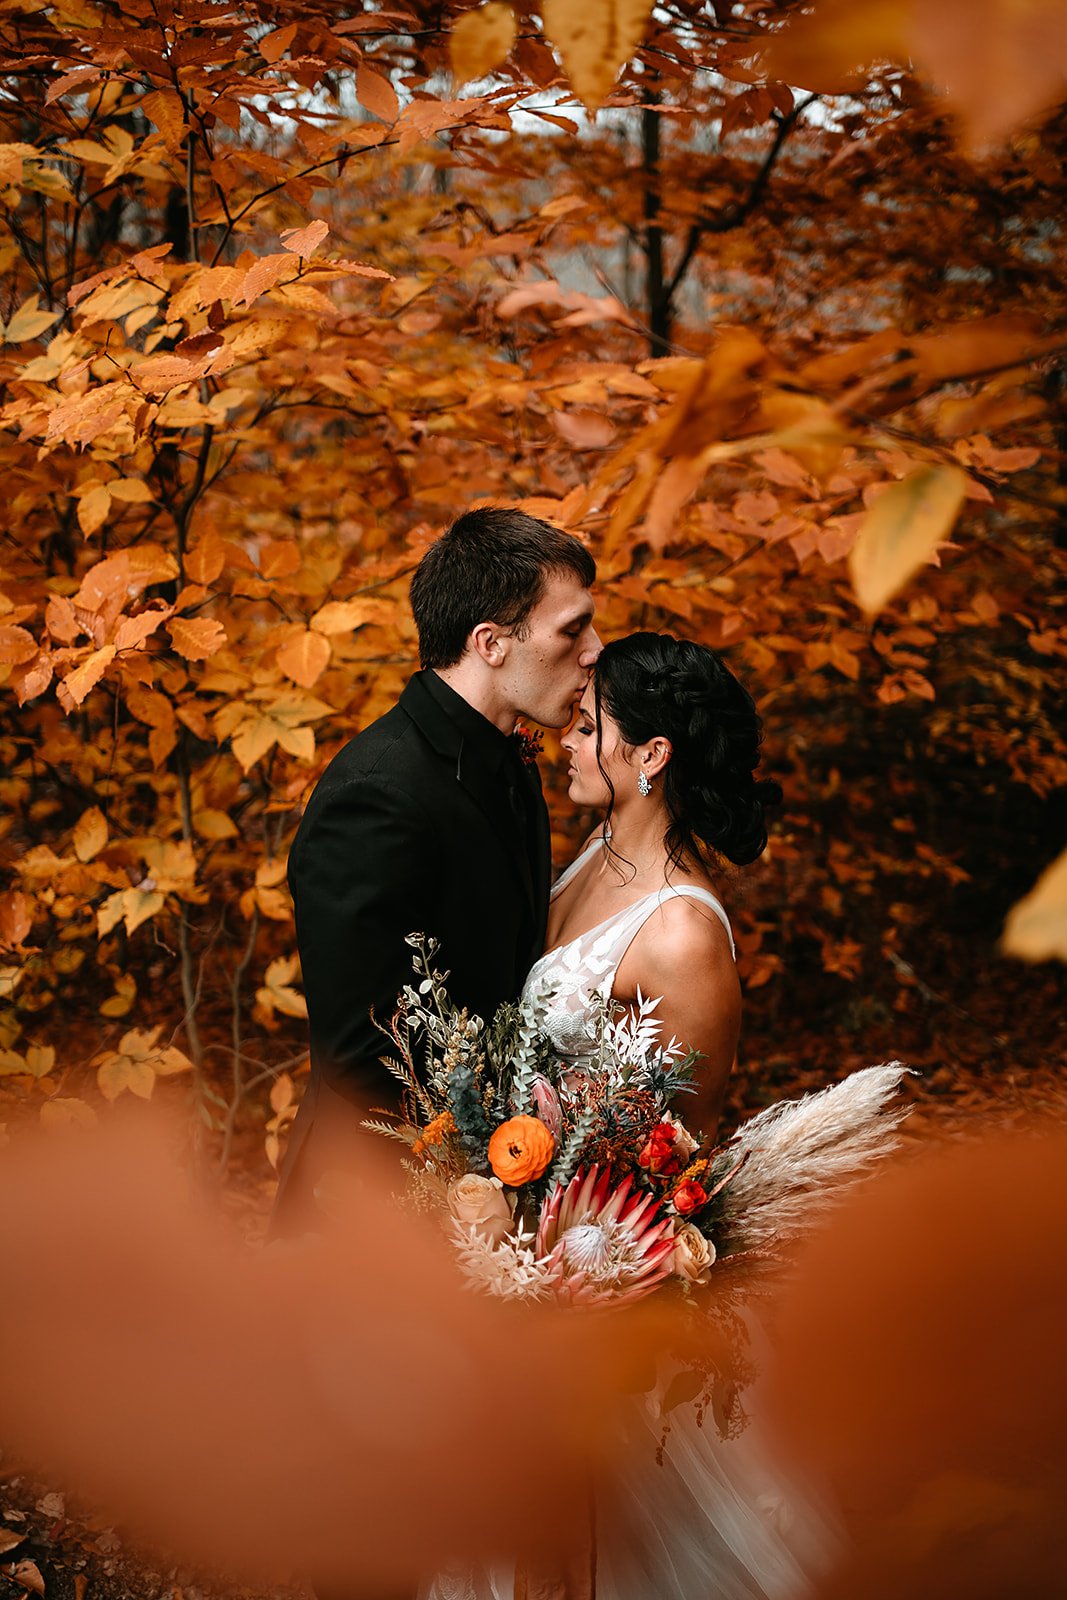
652	684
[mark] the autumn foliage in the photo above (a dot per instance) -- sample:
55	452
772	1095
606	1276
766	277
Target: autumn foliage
774	321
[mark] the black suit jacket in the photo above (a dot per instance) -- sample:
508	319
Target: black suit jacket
415	826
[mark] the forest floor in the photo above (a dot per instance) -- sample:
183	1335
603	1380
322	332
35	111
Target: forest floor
987	1062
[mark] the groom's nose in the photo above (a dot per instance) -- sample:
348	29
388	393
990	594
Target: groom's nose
590	650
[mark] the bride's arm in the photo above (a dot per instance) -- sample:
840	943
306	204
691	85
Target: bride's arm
683	954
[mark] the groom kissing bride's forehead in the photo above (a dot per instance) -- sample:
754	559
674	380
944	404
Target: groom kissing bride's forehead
431	821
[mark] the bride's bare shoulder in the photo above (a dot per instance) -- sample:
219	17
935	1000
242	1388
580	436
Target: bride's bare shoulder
682	941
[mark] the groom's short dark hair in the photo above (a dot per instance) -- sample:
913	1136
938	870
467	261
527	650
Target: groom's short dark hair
491	566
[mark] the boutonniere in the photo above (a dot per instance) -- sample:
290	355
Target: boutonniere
529	741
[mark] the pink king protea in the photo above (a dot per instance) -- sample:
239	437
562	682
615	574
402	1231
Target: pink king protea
601	1243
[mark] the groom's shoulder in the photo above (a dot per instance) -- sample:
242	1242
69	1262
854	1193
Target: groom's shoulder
384	752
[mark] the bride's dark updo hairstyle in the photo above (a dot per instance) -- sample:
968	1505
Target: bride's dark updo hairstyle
653	684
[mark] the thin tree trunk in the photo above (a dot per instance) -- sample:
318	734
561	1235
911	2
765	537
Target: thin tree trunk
657	298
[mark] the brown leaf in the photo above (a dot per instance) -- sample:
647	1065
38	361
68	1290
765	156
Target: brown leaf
27	1575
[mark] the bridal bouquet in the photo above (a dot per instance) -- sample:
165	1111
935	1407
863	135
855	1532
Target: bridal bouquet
580	1182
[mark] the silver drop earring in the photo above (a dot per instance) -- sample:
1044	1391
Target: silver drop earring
644	784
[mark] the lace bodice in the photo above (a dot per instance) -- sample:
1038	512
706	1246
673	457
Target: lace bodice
576	972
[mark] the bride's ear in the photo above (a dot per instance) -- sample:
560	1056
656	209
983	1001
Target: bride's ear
654	756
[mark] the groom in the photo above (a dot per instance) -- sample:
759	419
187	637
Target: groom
430	821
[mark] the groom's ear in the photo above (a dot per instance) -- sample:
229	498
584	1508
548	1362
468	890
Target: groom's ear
489	643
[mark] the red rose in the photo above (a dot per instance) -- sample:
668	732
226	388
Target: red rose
657	1154
689	1197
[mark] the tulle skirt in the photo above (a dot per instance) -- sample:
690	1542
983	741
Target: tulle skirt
692	1516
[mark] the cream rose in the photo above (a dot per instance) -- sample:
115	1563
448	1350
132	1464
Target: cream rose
480	1203
693	1256
684	1143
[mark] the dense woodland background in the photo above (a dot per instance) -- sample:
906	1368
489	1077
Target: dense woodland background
774	321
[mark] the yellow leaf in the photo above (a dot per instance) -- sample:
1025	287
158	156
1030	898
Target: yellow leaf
902	530
593	39
278	993
281	1092
131	906
90	834
28	322
299	742
67	1113
117	1073
304	658
271	872
253	739
121	1002
40	1059
196	638
211	824
481	41
1036	928
134	490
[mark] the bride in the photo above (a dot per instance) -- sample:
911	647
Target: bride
666	744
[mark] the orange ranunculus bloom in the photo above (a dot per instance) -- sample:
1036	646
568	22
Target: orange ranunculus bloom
520	1150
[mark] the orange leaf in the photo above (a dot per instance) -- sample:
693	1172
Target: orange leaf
196	638
1036	929
90	834
274	45
594	39
76	685
133	631
303	242
304	658
16	645
481	40
901	531
376	94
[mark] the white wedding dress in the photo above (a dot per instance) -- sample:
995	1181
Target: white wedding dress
710	1519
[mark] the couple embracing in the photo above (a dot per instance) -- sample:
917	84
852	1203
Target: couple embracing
432	820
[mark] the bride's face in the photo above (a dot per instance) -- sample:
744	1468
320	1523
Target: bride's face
588	786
